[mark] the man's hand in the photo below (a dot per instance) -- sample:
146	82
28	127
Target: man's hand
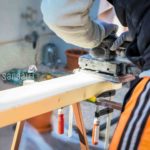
124	37
108	27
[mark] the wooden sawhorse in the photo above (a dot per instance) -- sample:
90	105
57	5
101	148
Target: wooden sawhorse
21	103
80	126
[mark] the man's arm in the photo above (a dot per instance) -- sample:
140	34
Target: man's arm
70	20
120	11
110	1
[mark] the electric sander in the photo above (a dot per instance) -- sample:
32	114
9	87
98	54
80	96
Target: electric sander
109	65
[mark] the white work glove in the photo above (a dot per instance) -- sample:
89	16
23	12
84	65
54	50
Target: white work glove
124	37
108	28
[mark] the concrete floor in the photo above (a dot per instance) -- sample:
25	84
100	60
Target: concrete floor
6	134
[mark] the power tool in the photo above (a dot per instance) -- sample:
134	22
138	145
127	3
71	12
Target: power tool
109	65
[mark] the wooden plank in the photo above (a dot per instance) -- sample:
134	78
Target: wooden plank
28	101
17	136
80	126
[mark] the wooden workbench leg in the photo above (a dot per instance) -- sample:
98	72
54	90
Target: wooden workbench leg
81	127
17	136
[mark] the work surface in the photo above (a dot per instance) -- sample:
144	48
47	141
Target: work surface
25	102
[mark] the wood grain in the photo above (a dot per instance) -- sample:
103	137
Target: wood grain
80	126
17	135
28	101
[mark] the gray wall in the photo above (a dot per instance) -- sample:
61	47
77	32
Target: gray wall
15	52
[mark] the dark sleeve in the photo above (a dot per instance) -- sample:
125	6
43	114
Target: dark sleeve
120	11
110	1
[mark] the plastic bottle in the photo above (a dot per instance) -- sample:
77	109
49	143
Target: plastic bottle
60	121
95	132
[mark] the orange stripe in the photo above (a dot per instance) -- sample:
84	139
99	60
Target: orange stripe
145	139
126	114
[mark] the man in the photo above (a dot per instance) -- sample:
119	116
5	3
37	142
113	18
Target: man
133	129
107	13
69	20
